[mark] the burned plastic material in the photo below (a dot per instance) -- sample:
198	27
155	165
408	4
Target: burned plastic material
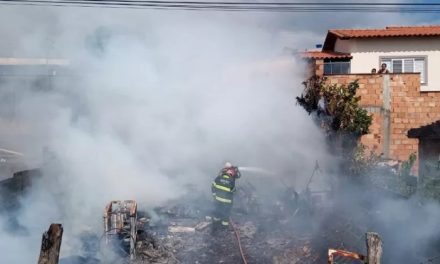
346	254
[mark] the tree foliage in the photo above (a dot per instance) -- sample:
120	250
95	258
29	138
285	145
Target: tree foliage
348	122
407	165
341	102
361	163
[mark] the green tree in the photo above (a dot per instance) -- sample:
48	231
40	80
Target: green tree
342	105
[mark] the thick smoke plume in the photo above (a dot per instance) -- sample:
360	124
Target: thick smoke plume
151	102
148	104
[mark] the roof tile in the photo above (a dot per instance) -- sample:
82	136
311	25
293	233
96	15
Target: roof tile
411	31
324	55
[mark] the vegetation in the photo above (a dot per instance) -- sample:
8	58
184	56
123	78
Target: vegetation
348	122
362	163
429	189
407	165
341	102
429	181
398	180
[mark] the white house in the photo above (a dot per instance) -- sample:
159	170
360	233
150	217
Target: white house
403	49
404	105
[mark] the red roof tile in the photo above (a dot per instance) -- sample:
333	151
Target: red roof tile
388	32
324	55
413	31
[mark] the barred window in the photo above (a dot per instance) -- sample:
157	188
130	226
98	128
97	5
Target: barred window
407	64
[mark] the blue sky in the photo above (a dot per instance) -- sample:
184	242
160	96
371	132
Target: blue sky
314	26
295	30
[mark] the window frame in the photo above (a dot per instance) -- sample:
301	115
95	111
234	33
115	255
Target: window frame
337	61
423	57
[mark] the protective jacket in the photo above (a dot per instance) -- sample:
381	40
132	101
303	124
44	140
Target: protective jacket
223	188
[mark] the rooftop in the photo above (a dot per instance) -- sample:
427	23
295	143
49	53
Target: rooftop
428	131
412	31
387	32
324	55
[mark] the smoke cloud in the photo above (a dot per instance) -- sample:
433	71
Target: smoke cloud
149	103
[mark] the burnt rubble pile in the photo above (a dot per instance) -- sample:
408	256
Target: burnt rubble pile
181	233
294	228
291	228
285	227
190	240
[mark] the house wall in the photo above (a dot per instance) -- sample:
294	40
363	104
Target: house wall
344	46
397	105
314	67
367	52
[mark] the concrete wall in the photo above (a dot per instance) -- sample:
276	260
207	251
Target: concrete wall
367	52
397	105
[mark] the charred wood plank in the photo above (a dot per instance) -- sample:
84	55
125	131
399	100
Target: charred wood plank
374	248
51	244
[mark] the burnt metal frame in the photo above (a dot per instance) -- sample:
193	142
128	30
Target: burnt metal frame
119	225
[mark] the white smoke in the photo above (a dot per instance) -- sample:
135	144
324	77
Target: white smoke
152	101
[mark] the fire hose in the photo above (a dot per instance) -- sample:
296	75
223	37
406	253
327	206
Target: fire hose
267	173
237	236
236	231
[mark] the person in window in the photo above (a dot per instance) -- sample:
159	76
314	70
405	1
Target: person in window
373	71
383	68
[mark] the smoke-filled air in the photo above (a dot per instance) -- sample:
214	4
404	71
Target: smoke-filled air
149	105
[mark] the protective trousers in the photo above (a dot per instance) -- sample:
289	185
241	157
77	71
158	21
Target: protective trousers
221	214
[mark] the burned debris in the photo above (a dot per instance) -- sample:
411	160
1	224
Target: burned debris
51	244
333	253
267	231
120	226
180	232
297	227
374	251
18	185
12	190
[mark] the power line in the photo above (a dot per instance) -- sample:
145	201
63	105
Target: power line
251	3
241	6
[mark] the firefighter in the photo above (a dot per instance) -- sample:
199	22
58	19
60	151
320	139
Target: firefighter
223	188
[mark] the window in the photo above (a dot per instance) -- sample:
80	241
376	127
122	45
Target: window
336	67
402	65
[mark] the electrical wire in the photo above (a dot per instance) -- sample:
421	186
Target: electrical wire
241	6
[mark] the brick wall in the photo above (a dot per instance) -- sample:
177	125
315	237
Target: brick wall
397	105
314	67
319	67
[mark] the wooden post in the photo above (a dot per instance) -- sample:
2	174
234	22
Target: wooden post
374	248
51	244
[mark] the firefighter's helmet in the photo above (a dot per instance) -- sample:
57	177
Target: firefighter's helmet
228	165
